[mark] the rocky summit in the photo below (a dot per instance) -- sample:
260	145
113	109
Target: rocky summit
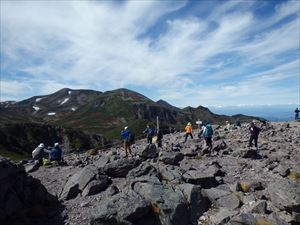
178	184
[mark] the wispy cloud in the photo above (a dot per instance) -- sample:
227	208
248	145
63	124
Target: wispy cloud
232	55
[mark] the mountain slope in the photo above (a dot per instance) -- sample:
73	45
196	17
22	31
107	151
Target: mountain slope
105	112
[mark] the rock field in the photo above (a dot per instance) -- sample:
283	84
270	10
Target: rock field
180	183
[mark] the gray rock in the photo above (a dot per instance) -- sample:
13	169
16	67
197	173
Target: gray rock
197	203
219	145
150	151
285	195
31	167
142	170
96	186
206	177
243	219
78	182
222	216
19	193
276	220
259	207
112	190
188	151
171	174
229	201
172	158
121	167
121	209
213	194
167	203
100	163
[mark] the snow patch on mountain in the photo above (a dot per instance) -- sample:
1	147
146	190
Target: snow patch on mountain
73	109
38	99
64	101
36	108
51	113
69	92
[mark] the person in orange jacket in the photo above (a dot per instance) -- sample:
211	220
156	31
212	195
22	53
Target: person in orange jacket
188	131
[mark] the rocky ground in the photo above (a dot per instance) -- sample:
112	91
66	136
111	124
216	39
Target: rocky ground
183	183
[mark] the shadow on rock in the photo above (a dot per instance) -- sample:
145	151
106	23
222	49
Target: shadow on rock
24	200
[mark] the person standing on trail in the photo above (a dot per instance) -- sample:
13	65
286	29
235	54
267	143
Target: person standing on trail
208	133
297	114
188	131
126	134
149	133
254	132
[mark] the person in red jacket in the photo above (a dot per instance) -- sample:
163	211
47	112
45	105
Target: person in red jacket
188	131
254	132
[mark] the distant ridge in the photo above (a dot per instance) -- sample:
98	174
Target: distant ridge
103	113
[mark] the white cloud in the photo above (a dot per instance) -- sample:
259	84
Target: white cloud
106	45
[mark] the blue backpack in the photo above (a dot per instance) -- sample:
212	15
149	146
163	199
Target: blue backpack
208	131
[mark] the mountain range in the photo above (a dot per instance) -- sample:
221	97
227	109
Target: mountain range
101	113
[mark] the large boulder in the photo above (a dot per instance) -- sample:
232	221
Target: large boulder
79	181
171	174
121	167
197	203
170	157
144	169
122	209
167	202
96	186
150	151
21	195
206	177
243	218
285	195
101	162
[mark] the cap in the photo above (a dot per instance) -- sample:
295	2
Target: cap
41	145
125	128
56	144
189	123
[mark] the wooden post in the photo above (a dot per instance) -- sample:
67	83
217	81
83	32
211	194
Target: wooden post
157	124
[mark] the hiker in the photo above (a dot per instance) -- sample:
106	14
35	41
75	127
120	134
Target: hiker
188	131
149	133
208	133
56	153
254	132
40	152
126	134
200	127
297	114
159	138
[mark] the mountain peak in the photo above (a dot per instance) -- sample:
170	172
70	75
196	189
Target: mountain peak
166	104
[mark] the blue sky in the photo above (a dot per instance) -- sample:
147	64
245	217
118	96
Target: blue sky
185	52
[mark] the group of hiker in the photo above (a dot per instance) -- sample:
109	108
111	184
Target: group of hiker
44	155
205	131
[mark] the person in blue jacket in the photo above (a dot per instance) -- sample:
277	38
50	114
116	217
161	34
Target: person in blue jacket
56	153
208	133
149	133
127	136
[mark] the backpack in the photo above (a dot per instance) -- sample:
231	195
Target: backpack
151	132
36	153
131	138
209	131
